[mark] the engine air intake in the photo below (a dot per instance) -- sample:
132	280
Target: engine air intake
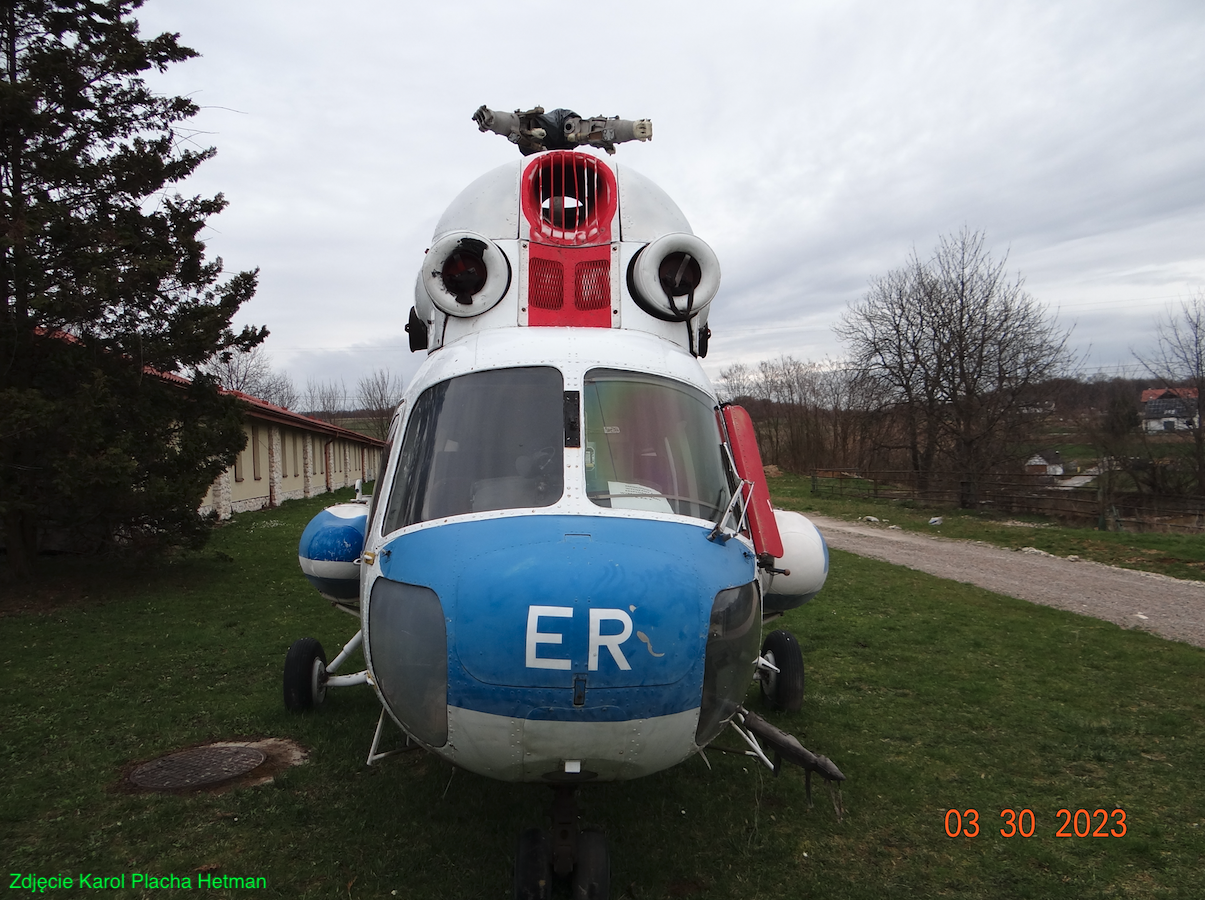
569	198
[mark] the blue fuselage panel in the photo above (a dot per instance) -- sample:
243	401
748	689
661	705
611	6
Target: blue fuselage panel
585	618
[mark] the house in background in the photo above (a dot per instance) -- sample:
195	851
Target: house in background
1045	462
1169	409
289	456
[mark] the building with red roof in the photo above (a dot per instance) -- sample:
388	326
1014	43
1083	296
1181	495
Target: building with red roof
289	456
1169	409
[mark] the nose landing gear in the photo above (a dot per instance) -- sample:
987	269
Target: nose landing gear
569	852
592	871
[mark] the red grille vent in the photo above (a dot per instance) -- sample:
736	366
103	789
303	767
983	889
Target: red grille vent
545	284
569	198
592	284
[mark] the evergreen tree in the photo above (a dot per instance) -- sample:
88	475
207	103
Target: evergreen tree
105	290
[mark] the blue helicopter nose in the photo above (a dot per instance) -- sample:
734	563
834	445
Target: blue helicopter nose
573	618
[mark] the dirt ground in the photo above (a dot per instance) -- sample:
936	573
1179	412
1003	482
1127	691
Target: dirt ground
1165	606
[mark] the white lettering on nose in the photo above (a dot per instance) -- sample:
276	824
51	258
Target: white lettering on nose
535	636
610	641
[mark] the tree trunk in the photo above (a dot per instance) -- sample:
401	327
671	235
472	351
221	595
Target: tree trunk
20	541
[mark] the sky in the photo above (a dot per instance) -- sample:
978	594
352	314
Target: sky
813	145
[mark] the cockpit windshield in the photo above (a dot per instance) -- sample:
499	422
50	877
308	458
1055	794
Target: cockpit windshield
478	442
652	444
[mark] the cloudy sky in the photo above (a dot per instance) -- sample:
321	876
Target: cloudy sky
814	145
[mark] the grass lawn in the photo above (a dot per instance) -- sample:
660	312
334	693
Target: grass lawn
929	695
1177	555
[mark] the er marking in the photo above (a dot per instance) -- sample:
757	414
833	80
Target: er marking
597	640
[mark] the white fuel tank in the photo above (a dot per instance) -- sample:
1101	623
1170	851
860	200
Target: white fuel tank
805	557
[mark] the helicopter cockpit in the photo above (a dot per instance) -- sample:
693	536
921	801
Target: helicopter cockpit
495	439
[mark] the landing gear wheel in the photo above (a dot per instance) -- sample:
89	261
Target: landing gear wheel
533	866
784	688
305	675
592	874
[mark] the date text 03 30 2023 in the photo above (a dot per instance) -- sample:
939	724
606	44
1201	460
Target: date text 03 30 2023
1022	823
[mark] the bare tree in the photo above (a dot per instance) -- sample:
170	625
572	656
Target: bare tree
278	389
807	414
1179	363
325	399
854	429
240	370
251	372
891	335
735	382
960	351
380	393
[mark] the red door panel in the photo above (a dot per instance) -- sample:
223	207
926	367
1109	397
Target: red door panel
763	527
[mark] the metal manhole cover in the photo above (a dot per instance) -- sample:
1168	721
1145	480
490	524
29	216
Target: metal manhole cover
196	767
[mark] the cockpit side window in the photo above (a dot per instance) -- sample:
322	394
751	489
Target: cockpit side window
374	507
652	444
478	442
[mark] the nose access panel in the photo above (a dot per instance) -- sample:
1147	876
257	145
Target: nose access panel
578	607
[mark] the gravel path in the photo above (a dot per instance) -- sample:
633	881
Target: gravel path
1166	606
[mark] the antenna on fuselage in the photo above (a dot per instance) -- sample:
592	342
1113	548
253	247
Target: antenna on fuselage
534	130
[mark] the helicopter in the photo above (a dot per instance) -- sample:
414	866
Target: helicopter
563	573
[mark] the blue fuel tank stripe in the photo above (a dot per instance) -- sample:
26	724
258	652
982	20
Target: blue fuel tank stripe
341	588
590	579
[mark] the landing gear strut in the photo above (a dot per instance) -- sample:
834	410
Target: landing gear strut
569	852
